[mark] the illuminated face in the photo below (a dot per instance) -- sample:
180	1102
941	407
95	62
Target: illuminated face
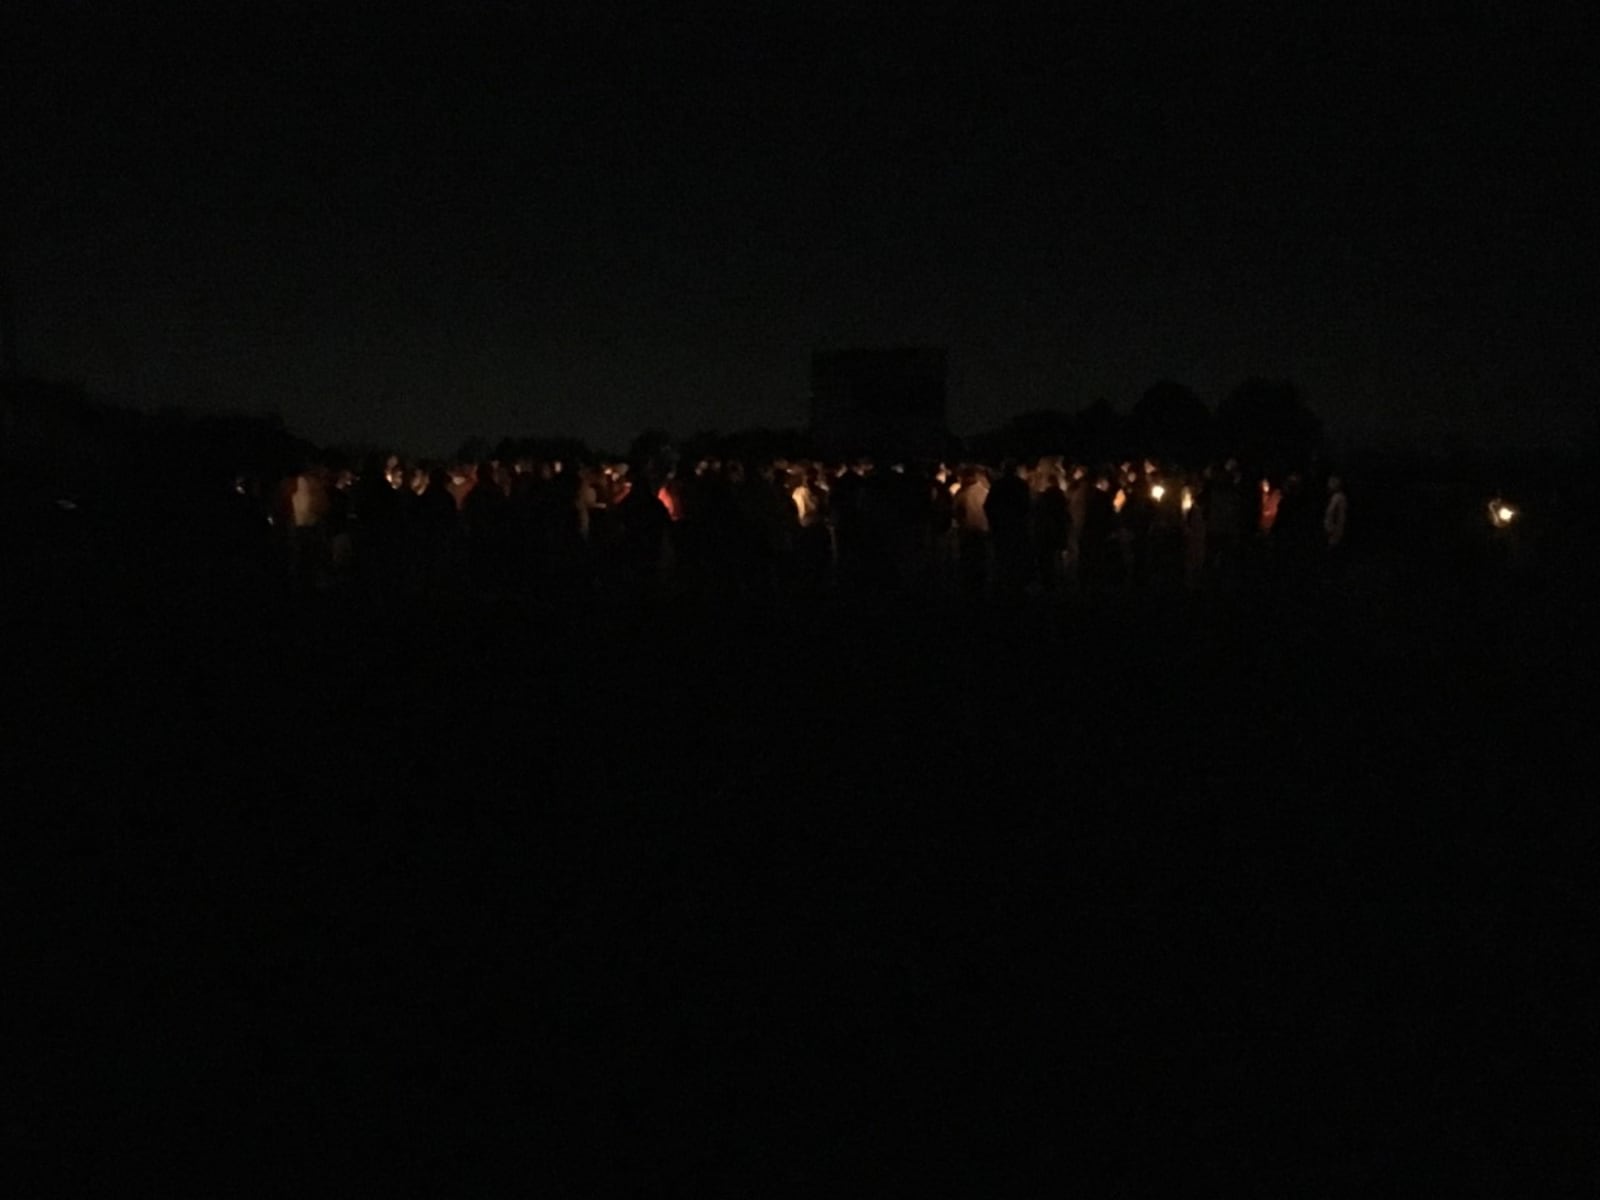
1157	492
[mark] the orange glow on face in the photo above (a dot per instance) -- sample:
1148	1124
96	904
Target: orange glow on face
1269	509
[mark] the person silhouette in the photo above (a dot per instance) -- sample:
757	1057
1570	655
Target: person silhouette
436	531
1008	506
970	511
644	520
483	515
1051	523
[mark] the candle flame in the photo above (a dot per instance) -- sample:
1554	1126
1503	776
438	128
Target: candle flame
1501	514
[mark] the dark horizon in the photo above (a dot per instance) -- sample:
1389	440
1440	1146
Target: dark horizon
1039	429
490	220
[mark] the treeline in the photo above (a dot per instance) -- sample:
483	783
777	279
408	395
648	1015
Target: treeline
1262	421
58	435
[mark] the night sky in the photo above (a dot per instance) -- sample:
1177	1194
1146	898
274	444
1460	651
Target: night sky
574	217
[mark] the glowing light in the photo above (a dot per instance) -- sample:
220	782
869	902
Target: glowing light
1501	514
669	502
1157	492
1188	500
1269	506
1118	500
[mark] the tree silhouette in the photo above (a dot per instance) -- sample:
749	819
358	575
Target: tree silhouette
703	443
652	448
1266	422
1100	431
1171	422
1042	431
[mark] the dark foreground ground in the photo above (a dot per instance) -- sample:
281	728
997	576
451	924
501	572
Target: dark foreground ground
1291	898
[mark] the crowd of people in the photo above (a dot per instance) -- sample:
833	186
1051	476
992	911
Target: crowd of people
392	528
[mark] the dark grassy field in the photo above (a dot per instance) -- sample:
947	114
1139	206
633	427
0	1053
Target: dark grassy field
1289	896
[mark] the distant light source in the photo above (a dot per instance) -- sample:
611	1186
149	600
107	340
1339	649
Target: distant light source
1188	500
1501	514
1157	492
